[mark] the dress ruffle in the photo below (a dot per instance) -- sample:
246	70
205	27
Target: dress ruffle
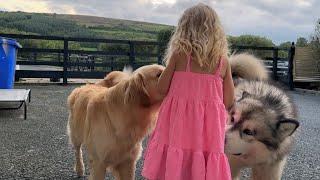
164	162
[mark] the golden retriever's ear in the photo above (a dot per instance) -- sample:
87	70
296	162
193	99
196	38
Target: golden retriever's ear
127	93
140	82
136	91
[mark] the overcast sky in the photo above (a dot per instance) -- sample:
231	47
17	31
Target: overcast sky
279	20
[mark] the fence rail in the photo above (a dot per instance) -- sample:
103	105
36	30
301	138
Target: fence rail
83	63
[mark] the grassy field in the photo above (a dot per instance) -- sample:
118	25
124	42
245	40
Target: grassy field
78	26
118	28
110	23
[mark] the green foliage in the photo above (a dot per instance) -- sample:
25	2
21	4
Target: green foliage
43	24
121	48
12	31
302	42
317	31
251	40
315	38
129	35
117	29
315	42
285	45
113	47
164	35
77	26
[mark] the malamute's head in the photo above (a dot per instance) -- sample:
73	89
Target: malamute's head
260	123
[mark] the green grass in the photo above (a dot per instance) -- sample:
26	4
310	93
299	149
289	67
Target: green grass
78	26
118	34
88	48
119	24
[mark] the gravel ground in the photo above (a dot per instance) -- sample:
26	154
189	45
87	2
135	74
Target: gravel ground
38	148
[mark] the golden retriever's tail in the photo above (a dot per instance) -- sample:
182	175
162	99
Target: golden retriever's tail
248	67
79	165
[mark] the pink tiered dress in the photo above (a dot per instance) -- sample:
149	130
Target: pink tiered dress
188	141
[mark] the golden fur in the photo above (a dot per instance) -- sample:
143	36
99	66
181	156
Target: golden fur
113	78
111	122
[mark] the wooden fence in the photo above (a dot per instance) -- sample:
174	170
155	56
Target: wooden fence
66	62
306	65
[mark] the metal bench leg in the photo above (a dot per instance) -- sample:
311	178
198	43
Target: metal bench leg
29	96
25	110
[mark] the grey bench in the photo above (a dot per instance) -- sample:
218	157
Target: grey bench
15	95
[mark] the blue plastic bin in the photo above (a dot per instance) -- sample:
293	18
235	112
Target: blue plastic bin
8	55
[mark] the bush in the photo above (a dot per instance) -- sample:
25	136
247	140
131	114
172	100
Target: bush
251	40
164	37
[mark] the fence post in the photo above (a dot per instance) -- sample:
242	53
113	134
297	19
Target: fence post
65	61
59	57
132	55
275	63
34	56
290	65
112	63
159	53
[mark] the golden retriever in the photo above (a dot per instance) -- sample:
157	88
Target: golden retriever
112	122
115	77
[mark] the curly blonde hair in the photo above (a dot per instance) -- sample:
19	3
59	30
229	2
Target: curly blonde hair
200	34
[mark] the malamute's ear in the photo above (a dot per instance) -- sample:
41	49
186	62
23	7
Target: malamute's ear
245	94
287	127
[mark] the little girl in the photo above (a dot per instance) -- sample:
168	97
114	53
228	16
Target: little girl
188	141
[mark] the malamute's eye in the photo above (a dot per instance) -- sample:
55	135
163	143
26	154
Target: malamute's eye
248	132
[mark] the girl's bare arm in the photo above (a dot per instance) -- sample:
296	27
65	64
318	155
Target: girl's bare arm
166	76
228	87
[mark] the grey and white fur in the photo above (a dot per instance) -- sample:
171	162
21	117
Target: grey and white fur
262	122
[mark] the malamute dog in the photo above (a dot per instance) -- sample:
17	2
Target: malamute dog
262	122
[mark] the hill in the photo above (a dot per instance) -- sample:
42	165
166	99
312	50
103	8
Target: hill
78	26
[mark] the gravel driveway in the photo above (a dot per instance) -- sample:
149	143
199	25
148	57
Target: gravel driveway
38	147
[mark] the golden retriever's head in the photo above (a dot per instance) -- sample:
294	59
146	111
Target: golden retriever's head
142	85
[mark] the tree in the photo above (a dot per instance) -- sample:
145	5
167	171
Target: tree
317	31
285	45
302	42
315	42
251	40
164	37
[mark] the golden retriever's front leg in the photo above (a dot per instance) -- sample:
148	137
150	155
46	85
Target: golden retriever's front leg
97	170
125	170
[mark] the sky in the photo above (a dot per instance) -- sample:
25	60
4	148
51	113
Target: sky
279	20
